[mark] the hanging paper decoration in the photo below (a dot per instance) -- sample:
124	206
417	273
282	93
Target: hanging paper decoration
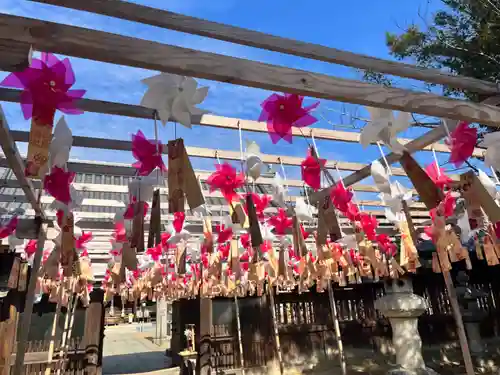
82	241
488	184
46	87
147	153
279	191
380	177
260	203
282	112
384	126
341	197
369	225
311	169
462	142
438	176
174	97
57	184
304	211
177	230
491	141
227	180
253	160
60	147
224	233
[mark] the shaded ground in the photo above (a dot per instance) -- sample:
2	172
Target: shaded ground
128	351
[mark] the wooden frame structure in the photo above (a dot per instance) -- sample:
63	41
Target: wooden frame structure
18	35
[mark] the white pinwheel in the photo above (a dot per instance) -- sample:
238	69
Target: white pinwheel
253	160
174	97
279	191
266	232
384	126
491	142
60	146
488	184
304	211
142	188
380	177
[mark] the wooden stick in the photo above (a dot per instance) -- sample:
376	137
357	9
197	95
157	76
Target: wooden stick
54	329
462	337
68	329
275	328
25	322
238	325
335	319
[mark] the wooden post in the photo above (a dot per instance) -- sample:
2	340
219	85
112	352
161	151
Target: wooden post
48	370
275	328
25	321
93	333
238	326
462	337
68	329
204	336
335	319
8	333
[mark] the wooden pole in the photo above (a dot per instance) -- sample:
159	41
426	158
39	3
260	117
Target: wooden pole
92	337
68	329
336	326
462	337
53	333
25	321
8	334
238	326
275	328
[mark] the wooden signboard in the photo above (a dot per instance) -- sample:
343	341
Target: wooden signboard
14	274
299	244
475	192
26	229
23	277
154	237
427	190
137	238
253	222
39	142
328	223
67	244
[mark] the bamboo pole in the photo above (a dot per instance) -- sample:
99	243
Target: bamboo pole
68	329
238	325
54	329
338	337
25	321
275	328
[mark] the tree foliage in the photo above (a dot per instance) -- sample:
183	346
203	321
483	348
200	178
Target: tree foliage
463	38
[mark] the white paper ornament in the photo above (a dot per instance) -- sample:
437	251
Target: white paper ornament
253	161
488	184
279	191
61	143
304	211
380	177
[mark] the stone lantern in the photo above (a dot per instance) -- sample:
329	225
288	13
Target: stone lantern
403	308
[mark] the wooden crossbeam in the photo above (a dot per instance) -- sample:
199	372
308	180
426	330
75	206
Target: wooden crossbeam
220	122
200	152
122	50
14	55
196	26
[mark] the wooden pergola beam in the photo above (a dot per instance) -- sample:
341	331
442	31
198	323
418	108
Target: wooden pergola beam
220	122
196	26
207	153
14	55
16	163
122	50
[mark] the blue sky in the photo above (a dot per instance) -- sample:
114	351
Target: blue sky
355	25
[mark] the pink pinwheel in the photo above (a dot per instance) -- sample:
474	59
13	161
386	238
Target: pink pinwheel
245	241
130	210
223	249
282	112
446	208
227	180
369	224
46	87
260	202
178	222
305	234
437	175
224	233
340	197
155	252
386	245
30	248
147	153
9	228
311	171
82	240
462	142
280	222
164	241
57	184
352	212
120	233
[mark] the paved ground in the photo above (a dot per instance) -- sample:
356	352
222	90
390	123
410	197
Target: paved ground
128	351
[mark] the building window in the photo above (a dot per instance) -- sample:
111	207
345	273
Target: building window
98	179
88	178
107	180
117	180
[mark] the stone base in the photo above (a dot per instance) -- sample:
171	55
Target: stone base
403	371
